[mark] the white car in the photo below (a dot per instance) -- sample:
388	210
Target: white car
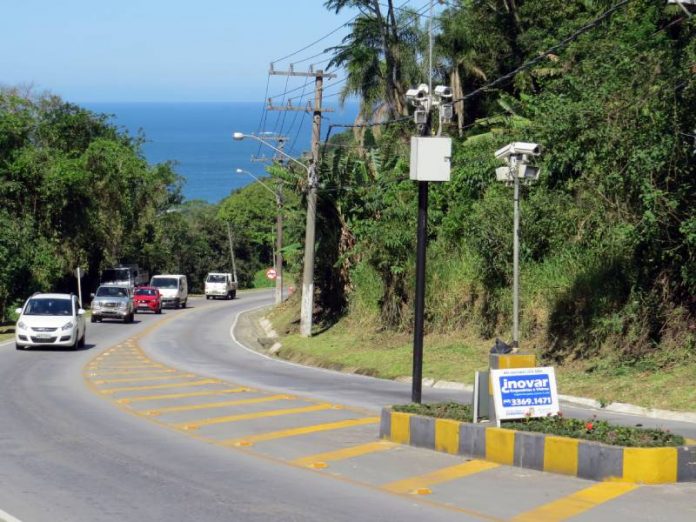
51	320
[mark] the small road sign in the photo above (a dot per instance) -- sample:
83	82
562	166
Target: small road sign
271	273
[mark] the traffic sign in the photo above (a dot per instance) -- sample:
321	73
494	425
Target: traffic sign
271	273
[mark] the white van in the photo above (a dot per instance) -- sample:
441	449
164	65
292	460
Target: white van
218	284
173	289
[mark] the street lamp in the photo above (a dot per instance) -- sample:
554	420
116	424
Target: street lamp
279	235
307	306
516	155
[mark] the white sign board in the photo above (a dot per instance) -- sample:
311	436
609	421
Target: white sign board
524	392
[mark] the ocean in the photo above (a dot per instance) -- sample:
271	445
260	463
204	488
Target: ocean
198	138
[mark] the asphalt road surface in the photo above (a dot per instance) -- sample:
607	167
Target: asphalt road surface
170	419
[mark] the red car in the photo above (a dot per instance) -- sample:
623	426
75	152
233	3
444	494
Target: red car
147	298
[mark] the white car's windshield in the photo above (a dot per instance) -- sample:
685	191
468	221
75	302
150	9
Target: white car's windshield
48	306
111	291
216	278
164	282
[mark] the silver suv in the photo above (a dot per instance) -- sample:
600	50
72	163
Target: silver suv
112	302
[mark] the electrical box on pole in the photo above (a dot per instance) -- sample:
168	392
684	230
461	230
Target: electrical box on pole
430	158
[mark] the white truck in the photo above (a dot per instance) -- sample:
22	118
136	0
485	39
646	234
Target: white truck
125	275
219	284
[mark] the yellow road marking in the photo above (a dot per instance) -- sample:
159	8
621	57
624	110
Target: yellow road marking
131	372
247	416
210	405
345	453
161	386
577	503
412	484
142	379
182	395
127	367
304	430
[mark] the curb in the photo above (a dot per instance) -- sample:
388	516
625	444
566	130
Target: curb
542	452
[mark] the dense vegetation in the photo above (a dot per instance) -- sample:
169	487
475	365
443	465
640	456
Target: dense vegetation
76	191
609	231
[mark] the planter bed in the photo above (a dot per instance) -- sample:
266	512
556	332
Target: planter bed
544	452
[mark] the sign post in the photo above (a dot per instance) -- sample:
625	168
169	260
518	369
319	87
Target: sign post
520	393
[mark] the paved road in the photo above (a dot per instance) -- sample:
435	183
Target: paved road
168	419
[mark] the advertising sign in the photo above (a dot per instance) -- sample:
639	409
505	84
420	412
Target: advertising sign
524	392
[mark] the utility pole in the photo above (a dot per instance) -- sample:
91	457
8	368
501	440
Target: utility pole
234	267
310	228
279	247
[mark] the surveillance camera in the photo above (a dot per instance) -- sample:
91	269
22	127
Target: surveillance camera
443	91
418	95
518	148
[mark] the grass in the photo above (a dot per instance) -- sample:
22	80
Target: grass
6	332
360	348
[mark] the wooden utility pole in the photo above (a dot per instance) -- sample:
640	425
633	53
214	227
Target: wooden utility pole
308	272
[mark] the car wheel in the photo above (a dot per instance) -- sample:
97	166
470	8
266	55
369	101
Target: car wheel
76	344
93	319
207	297
135	311
234	294
183	305
159	310
20	347
83	340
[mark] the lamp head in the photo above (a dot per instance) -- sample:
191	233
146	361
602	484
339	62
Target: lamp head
238	136
240	171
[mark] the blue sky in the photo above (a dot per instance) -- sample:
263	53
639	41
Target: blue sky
158	50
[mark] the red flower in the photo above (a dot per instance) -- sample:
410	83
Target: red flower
589	426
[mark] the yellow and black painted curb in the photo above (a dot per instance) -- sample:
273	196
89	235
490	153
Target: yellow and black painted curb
580	458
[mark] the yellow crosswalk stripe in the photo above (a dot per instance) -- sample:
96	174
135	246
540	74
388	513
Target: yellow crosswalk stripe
97	374
248	416
161	386
211	405
576	503
303	430
346	453
421	482
142	379
166	396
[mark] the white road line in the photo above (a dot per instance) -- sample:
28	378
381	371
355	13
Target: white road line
6	517
290	363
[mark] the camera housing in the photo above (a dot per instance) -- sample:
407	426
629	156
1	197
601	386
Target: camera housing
517	148
443	91
418	95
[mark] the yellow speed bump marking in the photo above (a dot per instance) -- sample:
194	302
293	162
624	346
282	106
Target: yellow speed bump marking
144	378
248	416
412	484
345	453
211	405
577	503
167	396
133	372
161	386
304	430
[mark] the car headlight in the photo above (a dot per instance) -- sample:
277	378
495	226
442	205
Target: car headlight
21	325
68	325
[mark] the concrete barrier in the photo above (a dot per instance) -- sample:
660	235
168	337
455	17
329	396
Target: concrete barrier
577	457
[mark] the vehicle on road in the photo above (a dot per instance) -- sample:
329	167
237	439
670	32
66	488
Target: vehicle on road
113	302
51	320
124	275
173	288
219	284
147	298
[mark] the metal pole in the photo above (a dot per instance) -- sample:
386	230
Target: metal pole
307	306
79	286
279	246
234	268
516	257
417	380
